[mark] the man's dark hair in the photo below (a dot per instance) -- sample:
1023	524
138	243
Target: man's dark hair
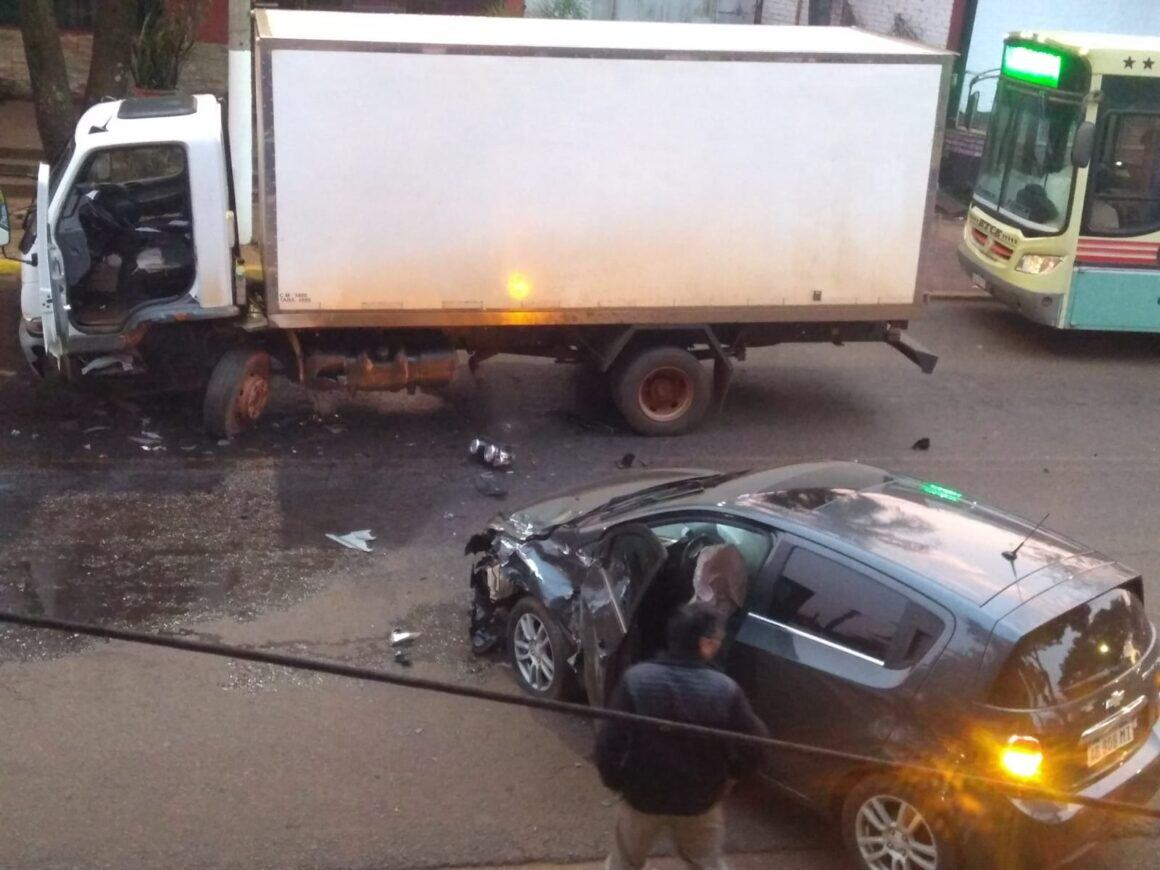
688	625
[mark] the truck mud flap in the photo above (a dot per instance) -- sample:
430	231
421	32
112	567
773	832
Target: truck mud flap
912	350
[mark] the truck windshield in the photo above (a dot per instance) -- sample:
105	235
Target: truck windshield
1026	173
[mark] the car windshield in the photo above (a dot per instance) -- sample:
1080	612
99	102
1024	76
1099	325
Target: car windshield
1026	174
1074	654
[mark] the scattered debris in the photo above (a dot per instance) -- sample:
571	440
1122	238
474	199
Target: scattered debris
153	448
489	484
124	360
403	638
490	453
353	540
921	444
152	436
15	433
335	430
224	442
628	460
402	658
93	429
144	442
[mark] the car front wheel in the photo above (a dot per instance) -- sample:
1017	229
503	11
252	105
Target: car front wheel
889	825
537	649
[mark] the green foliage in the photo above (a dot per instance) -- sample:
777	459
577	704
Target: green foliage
162	46
557	9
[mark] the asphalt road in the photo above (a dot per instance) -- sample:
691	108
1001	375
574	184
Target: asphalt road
116	756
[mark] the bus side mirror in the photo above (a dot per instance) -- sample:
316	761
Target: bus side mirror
4	231
1081	146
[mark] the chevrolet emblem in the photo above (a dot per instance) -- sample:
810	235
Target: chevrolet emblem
1114	700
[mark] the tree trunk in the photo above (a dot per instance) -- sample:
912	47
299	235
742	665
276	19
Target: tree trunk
114	27
55	112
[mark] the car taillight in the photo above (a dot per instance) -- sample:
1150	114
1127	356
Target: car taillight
1022	757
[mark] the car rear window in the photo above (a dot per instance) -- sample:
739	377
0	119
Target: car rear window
1075	653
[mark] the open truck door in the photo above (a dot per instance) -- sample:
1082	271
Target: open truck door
50	274
628	559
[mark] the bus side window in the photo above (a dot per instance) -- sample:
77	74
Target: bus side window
1126	181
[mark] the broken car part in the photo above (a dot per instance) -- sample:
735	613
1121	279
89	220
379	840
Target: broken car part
490	453
353	540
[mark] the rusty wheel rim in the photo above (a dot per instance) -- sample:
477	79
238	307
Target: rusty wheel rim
253	395
666	394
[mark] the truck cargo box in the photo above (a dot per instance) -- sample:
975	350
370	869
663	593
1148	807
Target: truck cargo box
434	171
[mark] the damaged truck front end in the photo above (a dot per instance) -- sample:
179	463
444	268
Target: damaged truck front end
509	566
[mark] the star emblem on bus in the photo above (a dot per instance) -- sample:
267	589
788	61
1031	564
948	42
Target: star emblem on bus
1148	63
1129	62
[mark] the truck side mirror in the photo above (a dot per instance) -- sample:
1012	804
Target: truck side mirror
4	230
1082	145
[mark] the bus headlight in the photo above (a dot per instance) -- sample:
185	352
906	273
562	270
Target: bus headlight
1037	264
1022	757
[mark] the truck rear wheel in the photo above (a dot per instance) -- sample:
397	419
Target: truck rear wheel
238	391
662	391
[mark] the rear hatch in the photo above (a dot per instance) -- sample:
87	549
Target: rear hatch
1081	681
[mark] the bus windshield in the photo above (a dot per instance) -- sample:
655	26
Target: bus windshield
1026	173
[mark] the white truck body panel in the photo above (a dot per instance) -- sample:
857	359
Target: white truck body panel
541	171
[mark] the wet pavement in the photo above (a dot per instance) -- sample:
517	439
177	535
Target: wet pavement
119	756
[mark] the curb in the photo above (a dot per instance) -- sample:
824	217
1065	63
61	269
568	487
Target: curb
958	296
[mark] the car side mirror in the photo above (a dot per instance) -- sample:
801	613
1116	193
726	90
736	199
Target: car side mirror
5	233
1082	145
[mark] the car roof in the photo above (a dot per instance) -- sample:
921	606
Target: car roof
934	532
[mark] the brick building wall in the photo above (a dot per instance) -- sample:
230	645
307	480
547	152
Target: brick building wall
928	20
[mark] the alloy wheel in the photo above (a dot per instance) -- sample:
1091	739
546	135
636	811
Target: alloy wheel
893	835
533	652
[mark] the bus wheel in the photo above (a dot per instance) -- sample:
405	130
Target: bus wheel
662	391
238	391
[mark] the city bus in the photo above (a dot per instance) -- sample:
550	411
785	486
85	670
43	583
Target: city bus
1064	220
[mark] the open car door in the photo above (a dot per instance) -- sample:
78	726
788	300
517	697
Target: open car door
628	558
50	275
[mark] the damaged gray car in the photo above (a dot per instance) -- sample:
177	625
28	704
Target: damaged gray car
865	612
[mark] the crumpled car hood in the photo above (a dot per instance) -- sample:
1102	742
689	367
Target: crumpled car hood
538	518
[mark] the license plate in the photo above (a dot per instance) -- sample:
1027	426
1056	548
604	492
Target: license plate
1109	743
978	280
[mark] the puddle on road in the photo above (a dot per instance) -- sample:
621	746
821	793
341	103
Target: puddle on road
146	553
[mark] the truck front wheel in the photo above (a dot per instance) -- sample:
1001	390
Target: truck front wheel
662	391
238	391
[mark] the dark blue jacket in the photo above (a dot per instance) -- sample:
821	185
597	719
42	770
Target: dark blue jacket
667	773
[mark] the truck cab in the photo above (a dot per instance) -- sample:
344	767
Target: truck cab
132	227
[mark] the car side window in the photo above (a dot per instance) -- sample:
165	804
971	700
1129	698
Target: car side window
829	601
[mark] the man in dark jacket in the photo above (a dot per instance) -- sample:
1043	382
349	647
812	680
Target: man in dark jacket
671	781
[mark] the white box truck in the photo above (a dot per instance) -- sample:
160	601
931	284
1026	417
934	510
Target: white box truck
653	199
